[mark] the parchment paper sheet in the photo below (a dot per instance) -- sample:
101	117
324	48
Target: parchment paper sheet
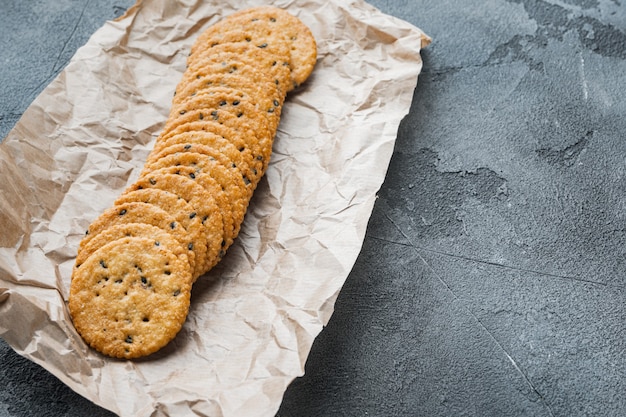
253	318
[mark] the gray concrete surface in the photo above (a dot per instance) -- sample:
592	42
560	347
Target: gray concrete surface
492	278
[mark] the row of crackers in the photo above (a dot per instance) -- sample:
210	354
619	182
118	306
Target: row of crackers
132	280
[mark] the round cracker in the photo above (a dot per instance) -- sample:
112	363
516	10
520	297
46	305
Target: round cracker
239	119
130	297
268	24
303	47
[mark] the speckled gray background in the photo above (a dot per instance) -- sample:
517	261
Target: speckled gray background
492	278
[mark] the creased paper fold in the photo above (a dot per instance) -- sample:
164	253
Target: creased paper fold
254	317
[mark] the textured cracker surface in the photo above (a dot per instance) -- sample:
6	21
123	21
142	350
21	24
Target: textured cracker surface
130	297
202	202
181	211
229	180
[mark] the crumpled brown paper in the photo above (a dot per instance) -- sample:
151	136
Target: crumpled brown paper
254	317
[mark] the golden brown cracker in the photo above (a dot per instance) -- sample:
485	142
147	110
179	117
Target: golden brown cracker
247	125
130	297
190	146
268	61
207	98
182	212
302	44
232	63
187	137
264	57
193	133
264	94
257	111
235	130
270	25
231	182
138	212
239	132
211	185
119	231
204	205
